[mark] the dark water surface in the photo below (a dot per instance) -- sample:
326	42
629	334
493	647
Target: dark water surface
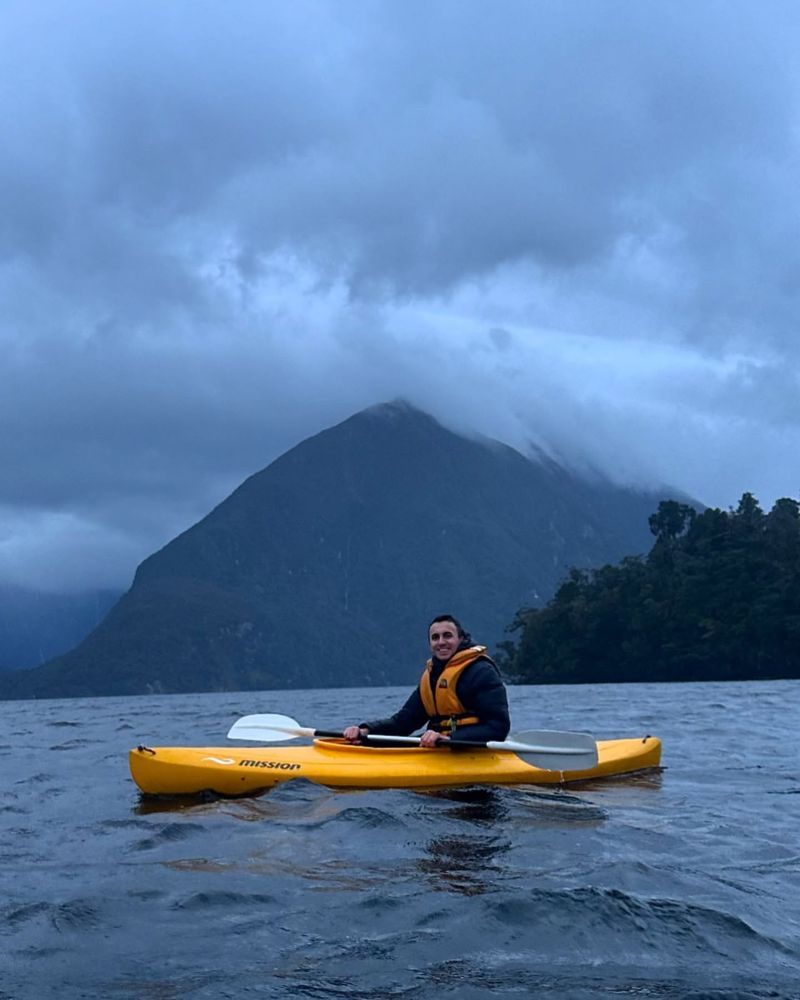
681	883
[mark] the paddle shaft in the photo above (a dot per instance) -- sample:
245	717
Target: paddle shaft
512	746
381	738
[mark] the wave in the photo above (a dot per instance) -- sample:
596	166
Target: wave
637	929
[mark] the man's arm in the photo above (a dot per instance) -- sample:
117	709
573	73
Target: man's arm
410	717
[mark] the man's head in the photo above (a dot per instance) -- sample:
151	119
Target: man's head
445	635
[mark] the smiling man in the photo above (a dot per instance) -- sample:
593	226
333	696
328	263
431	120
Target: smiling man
460	696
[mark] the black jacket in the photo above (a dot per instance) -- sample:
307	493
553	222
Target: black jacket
480	690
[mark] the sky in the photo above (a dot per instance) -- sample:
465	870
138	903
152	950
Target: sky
225	226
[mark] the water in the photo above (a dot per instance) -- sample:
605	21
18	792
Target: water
677	884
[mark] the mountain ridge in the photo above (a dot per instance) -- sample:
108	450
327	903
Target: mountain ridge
322	569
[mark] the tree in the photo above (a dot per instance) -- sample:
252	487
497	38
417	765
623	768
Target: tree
671	520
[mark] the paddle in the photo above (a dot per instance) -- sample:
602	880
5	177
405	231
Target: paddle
552	751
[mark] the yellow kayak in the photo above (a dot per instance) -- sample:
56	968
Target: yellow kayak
336	764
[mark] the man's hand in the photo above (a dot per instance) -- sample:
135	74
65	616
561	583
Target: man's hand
354	734
430	738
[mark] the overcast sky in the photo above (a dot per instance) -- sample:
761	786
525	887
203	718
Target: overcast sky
227	225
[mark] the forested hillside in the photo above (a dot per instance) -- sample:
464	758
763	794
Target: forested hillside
717	598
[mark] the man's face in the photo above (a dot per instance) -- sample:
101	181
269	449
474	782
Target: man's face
444	640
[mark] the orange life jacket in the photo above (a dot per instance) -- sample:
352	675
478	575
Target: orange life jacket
443	706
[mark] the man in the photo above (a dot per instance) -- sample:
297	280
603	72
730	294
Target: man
460	696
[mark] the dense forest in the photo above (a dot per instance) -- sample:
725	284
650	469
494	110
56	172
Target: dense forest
717	598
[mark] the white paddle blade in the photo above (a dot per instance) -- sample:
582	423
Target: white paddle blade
267	729
555	751
557	742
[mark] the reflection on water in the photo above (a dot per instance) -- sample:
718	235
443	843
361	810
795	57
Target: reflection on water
650	780
479	804
468	863
149	805
471	863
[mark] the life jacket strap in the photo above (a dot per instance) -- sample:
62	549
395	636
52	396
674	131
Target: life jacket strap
450	723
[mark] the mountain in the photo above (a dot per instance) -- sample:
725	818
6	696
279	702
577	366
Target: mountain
35	626
324	569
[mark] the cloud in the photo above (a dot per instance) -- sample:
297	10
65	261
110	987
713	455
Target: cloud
222	229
